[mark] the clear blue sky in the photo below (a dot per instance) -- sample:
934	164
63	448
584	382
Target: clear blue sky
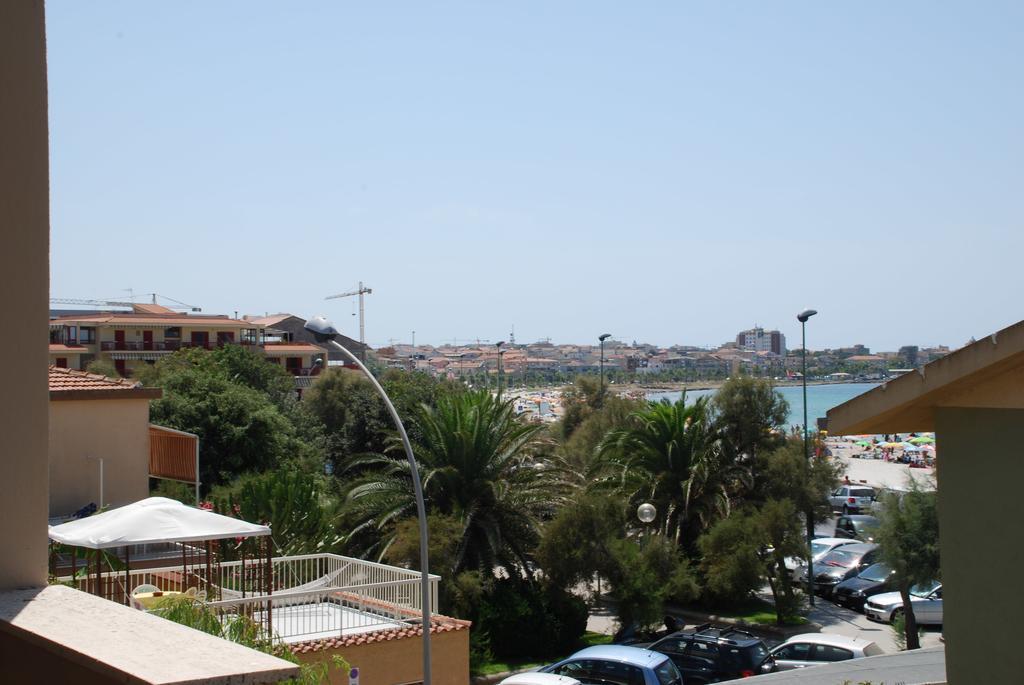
666	172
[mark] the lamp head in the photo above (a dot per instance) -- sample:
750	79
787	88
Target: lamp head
805	314
604	336
646	512
499	344
321	328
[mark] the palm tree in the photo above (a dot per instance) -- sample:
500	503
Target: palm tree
673	457
475	458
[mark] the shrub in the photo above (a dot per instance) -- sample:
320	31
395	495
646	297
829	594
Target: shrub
523	618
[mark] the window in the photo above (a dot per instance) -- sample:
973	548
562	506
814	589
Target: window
798	651
61	362
832	653
615	673
87	336
172	332
668	674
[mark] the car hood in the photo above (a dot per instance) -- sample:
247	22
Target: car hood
856	584
834	571
887	599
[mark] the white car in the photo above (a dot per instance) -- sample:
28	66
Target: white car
819	548
539	679
814	649
852	499
926	601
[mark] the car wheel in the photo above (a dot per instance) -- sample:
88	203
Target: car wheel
896	613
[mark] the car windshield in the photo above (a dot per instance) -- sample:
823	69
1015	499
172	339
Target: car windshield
876	573
862	492
864	524
818	548
924	589
667	673
840	557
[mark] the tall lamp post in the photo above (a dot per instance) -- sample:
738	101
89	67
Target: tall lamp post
325	332
602	338
501	369
802	318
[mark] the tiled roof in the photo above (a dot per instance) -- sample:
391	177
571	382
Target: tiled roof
63	380
125	319
268	320
74	349
438	624
300	347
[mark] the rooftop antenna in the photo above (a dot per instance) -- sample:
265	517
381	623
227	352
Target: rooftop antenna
512	336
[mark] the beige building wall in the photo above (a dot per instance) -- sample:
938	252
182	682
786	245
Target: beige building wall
980	469
82	432
24	271
395	662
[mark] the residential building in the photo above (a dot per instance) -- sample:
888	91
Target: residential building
289	328
99	441
758	339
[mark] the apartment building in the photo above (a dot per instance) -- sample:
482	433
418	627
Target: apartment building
758	339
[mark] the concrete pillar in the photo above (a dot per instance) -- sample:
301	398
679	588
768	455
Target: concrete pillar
24	276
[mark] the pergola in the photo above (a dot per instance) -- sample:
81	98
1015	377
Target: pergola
158	520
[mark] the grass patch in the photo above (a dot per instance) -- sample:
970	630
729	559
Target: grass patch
589	639
755	611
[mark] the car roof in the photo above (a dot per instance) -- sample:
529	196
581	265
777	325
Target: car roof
859	547
829	639
535	678
736	637
627	655
834	541
861	517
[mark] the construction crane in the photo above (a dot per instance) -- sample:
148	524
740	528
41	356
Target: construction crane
362	332
116	303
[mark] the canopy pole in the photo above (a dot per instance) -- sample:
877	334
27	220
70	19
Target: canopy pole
99	590
74	566
127	566
270	587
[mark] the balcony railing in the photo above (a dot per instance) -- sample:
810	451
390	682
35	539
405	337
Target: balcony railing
161	345
312	596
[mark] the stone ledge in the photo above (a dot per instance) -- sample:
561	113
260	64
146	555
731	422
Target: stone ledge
118	644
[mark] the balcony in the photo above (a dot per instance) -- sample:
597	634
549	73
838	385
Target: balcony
310	597
161	345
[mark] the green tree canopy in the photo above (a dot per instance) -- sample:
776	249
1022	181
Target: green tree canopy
749	413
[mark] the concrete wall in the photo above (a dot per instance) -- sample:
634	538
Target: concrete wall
117	431
980	472
24	271
393	662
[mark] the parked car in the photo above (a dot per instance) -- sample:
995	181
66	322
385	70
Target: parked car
851	499
617	665
814	649
535	678
925	599
857	527
839	564
819	548
706	654
853	592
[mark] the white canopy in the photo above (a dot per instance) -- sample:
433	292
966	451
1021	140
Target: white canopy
156	519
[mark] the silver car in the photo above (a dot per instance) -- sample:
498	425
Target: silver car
925	599
814	649
852	499
819	548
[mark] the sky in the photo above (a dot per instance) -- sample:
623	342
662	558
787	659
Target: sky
667	172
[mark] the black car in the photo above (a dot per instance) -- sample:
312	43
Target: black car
839	564
857	527
873	580
707	654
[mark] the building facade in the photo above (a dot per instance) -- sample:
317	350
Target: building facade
758	339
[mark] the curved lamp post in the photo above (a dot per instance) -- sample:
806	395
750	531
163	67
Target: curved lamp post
325	332
501	369
802	318
602	338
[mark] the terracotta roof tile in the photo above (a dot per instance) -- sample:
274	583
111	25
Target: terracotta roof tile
125	319
301	347
64	380
438	624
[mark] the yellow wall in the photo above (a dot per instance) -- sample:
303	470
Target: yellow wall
391	662
980	472
24	276
117	431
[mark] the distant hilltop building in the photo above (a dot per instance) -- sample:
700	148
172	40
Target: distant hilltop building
758	339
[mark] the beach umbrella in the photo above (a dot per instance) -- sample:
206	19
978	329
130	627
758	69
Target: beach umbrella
892	444
921	440
864	443
911	448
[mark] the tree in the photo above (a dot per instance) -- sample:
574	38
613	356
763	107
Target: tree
577	543
670	456
909	540
643	577
240	428
732	564
101	367
475	460
748	414
782	535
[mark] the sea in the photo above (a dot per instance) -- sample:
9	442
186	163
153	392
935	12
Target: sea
820	398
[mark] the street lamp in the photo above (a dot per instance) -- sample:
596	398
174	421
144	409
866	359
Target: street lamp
802	318
501	375
325	332
602	338
646	513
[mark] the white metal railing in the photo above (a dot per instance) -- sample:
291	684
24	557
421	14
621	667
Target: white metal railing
312	594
